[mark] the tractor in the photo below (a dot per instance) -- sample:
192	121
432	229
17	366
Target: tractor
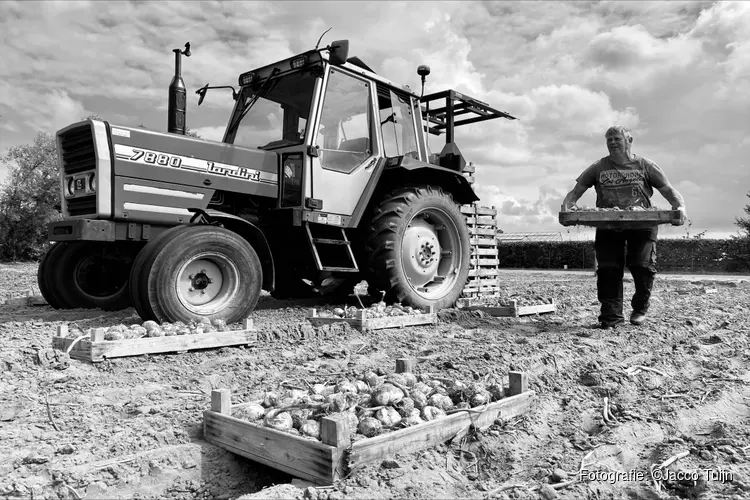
323	179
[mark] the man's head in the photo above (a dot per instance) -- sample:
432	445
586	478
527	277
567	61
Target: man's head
619	140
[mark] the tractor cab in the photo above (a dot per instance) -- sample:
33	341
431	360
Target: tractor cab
332	121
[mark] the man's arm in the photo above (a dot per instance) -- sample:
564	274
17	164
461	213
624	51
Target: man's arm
675	198
574	195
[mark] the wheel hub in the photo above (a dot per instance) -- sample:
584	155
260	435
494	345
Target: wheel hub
426	254
199	281
202	283
430	253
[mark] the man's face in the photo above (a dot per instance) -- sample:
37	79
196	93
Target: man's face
617	143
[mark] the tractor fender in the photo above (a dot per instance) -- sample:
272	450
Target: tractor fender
252	234
450	180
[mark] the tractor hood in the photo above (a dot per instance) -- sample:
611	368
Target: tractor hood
185	160
123	173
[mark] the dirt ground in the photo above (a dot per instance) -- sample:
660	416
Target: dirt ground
132	427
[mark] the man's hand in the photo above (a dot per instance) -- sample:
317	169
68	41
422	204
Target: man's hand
683	215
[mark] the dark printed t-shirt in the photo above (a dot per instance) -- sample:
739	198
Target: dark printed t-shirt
623	186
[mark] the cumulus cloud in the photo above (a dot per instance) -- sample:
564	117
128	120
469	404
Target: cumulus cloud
677	72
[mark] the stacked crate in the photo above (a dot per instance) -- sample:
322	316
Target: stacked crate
483	270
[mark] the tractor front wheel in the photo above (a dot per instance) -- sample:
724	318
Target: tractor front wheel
195	272
418	248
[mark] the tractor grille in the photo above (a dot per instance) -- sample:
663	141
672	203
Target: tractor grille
85	205
77	149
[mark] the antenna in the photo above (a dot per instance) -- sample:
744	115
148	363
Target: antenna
321	37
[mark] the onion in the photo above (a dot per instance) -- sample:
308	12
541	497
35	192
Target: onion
409	379
373	380
361	386
388	416
405	406
364	400
387	394
270	399
414	418
346	386
440	401
251	412
370	427
480	398
310	428
432	413
281	421
496	391
422	387
398	378
419	399
299	417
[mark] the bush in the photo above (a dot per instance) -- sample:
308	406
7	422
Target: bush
693	255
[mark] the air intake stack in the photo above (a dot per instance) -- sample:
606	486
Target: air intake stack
177	107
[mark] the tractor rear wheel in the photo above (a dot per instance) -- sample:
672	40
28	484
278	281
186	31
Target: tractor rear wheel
89	274
52	294
418	248
196	272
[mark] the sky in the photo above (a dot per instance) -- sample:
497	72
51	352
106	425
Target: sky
677	73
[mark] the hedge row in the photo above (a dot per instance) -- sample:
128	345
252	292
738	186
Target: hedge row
728	255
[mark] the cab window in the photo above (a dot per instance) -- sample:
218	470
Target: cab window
397	124
345	123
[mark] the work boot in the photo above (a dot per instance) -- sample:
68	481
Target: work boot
637	318
643	279
609	293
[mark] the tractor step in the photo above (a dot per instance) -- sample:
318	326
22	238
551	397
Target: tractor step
346	263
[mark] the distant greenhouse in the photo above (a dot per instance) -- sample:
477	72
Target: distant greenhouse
520	237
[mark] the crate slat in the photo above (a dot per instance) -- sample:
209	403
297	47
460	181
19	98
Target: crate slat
363	323
514	310
95	349
473	210
336	456
294	455
621	219
483	231
480	221
438	431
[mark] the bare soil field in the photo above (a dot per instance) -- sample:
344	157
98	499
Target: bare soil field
132	427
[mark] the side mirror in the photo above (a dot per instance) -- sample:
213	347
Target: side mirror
201	92
339	52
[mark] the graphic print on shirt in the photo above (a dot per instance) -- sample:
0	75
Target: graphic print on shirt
623	188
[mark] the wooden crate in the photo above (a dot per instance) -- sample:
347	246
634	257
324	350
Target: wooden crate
336	456
363	323
93	348
514	310
483	268
621	219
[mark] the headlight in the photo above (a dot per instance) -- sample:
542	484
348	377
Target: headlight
298	62
70	186
92	182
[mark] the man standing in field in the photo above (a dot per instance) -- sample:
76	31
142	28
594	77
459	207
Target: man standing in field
624	180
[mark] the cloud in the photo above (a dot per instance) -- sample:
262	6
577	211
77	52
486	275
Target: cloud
677	72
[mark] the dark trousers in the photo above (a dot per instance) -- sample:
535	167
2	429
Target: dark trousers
615	249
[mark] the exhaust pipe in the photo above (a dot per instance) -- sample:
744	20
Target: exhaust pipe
177	106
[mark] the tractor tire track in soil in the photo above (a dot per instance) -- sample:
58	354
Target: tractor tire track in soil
132	427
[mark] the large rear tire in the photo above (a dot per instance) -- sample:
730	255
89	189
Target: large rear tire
418	248
196	272
51	294
88	274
